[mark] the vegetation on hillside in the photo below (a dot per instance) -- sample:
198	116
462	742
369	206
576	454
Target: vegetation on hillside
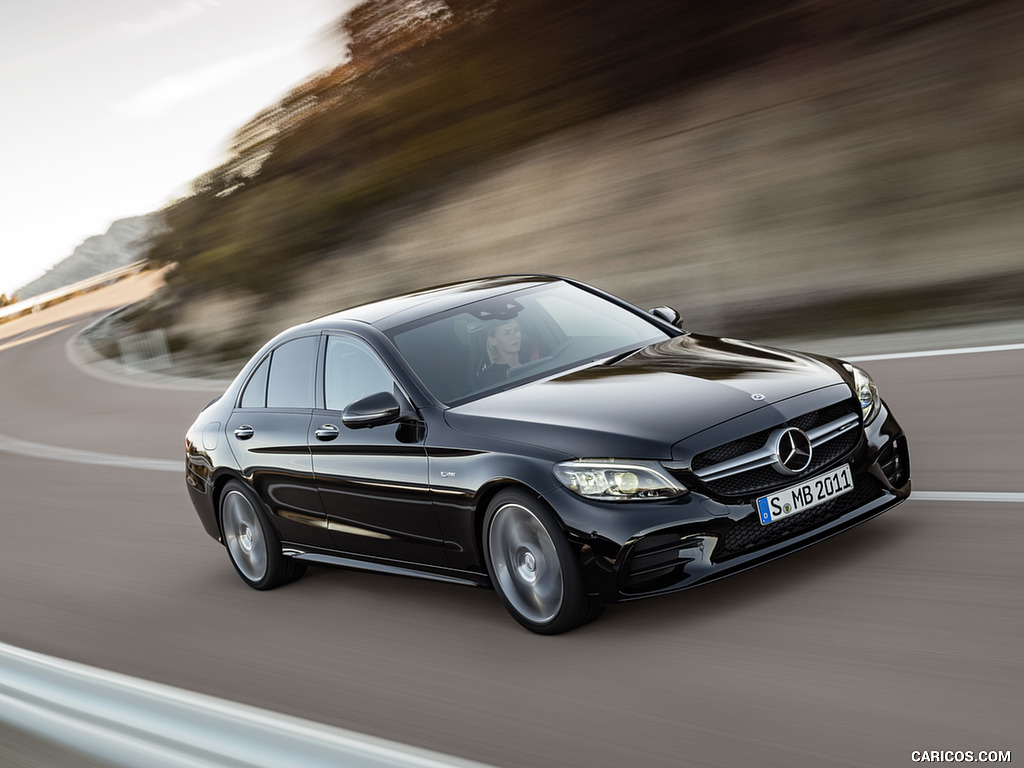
433	87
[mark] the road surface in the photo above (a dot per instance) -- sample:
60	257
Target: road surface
902	635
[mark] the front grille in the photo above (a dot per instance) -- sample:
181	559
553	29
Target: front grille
749	534
749	481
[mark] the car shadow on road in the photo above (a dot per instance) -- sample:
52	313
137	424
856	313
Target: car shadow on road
835	560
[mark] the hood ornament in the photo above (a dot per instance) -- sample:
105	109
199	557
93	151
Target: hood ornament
757	397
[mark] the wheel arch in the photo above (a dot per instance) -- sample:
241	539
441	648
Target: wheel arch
216	491
492	489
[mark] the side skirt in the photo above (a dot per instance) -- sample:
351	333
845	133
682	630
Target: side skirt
320	558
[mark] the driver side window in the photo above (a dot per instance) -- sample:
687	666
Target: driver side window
352	371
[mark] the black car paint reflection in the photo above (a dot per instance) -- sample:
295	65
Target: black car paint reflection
387	450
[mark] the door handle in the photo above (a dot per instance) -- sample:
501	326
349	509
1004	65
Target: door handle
244	432
327	432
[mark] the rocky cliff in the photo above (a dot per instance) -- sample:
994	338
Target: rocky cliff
123	243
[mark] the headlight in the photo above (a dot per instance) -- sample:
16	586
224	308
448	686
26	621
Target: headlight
867	393
611	480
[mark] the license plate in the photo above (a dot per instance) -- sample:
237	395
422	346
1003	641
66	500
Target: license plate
809	493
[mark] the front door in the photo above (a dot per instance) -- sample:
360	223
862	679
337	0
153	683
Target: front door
373	481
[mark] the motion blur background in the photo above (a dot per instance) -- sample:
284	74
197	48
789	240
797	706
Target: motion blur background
763	166
768	168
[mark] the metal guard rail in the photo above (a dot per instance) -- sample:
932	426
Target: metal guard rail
126	722
43	300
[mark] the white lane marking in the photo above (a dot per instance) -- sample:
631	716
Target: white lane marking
982	496
936	353
40	451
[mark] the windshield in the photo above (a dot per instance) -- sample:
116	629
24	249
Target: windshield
508	340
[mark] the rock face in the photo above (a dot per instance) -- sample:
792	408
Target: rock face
123	244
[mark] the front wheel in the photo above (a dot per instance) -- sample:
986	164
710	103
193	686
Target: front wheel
532	566
252	542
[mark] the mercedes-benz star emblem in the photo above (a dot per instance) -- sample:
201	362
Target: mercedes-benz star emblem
792	451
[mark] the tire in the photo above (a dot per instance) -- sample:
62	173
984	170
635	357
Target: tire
532	567
252	542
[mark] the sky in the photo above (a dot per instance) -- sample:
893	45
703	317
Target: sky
111	107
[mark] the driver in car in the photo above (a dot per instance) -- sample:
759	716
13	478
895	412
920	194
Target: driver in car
504	344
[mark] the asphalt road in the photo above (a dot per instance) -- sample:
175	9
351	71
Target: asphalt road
904	634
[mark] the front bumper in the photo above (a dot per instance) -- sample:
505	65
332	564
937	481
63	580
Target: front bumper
678	545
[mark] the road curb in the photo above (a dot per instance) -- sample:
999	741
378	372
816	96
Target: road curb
83	355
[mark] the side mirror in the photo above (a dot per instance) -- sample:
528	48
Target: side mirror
669	315
374	410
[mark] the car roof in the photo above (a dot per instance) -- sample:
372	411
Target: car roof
398	310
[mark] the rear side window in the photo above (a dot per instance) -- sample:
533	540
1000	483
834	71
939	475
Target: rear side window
292	366
255	394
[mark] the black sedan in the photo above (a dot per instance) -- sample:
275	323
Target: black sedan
539	436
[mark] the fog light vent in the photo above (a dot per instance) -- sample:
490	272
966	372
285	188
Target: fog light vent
660	560
894	460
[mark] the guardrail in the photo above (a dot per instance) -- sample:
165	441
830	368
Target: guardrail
43	300
119	721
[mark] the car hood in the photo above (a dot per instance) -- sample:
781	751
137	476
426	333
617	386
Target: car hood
638	406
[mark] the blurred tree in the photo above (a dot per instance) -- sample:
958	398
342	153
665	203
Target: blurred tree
432	87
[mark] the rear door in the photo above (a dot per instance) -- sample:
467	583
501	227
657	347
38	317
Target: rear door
268	435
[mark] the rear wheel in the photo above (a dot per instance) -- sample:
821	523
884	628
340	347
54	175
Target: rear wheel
252	542
532	566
